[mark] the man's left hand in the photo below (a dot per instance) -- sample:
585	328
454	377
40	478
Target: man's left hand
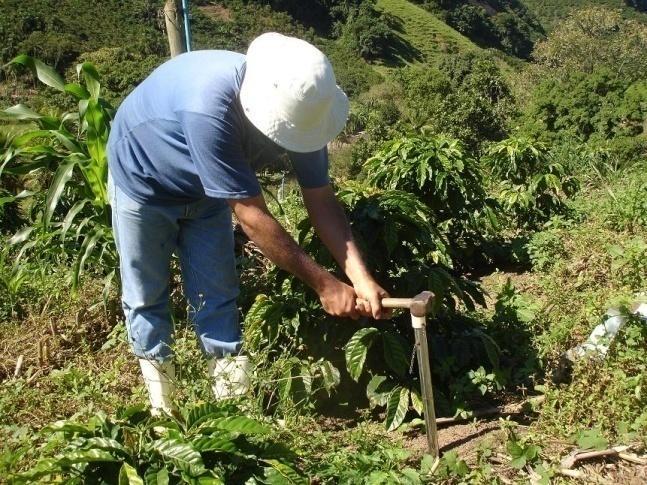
369	299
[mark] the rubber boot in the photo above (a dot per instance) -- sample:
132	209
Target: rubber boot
159	378
229	376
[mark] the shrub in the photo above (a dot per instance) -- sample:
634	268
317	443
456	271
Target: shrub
442	174
367	32
533	186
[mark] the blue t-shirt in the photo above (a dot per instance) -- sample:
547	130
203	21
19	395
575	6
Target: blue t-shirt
182	135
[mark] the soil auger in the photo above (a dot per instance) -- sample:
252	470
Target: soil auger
419	306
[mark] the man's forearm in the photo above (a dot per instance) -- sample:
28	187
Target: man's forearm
275	243
331	225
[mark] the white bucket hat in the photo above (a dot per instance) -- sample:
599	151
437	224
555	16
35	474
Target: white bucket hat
290	94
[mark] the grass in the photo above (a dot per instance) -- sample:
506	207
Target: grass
423	37
550	12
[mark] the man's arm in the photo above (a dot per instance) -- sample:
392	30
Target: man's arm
337	298
330	222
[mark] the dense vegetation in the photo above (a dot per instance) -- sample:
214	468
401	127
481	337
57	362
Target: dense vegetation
516	191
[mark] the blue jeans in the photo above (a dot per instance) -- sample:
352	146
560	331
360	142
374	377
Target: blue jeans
201	235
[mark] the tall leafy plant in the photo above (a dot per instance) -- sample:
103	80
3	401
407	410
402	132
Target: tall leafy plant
442	174
70	150
533	186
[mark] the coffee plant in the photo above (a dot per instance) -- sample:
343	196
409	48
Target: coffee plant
532	185
205	444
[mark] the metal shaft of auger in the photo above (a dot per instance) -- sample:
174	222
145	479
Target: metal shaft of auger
426	389
419	307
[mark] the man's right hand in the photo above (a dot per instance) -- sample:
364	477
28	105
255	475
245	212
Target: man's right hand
338	299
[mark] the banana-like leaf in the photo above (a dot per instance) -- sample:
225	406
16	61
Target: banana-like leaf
281	474
356	350
181	454
43	72
71	215
21	112
87	246
61	178
129	476
76	90
396	407
91	77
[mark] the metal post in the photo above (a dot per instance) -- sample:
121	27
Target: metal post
187	24
426	389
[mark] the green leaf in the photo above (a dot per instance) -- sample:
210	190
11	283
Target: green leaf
91	77
215	443
86	456
279	474
61	178
454	464
396	353
592	439
129	476
416	402
106	444
517	453
43	468
43	72
76	90
396	407
196	415
21	112
21	236
181	454
378	390
89	242
240	424
330	375
69	427
156	476
356	350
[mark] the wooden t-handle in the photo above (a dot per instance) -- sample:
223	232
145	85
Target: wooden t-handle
419	305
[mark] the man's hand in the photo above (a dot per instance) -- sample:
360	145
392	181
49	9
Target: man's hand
338	299
369	299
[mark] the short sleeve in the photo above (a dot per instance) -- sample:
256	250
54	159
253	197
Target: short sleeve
311	168
215	147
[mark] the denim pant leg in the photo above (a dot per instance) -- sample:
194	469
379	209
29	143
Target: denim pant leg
146	236
206	251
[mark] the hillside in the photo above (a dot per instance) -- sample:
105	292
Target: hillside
424	36
550	12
